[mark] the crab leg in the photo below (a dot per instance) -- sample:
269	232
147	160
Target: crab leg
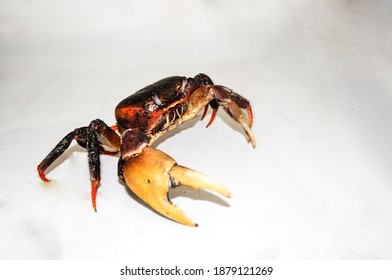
150	174
54	154
97	138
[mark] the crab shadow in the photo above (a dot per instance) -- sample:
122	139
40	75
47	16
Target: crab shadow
180	191
227	120
177	130
67	155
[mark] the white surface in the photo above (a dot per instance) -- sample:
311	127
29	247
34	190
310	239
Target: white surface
318	74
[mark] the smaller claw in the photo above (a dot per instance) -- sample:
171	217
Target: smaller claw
235	112
150	174
233	104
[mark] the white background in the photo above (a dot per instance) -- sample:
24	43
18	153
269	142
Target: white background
318	75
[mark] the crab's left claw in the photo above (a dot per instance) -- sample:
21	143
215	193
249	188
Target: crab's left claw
150	175
233	104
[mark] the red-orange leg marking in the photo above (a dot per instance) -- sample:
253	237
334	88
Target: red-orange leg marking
205	112
94	188
42	174
213	115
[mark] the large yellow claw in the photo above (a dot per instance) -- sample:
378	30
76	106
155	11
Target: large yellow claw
150	175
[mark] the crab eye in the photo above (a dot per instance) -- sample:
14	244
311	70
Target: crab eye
156	100
181	87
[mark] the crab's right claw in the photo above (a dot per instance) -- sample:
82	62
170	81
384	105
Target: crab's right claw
150	174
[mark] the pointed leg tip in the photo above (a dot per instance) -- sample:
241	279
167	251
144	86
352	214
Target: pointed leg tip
42	175
94	187
44	178
94	204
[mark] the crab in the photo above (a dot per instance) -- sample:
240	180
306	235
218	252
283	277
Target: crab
142	118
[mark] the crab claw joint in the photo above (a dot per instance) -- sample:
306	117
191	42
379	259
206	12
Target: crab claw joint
150	175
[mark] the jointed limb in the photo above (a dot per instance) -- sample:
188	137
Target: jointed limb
97	138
